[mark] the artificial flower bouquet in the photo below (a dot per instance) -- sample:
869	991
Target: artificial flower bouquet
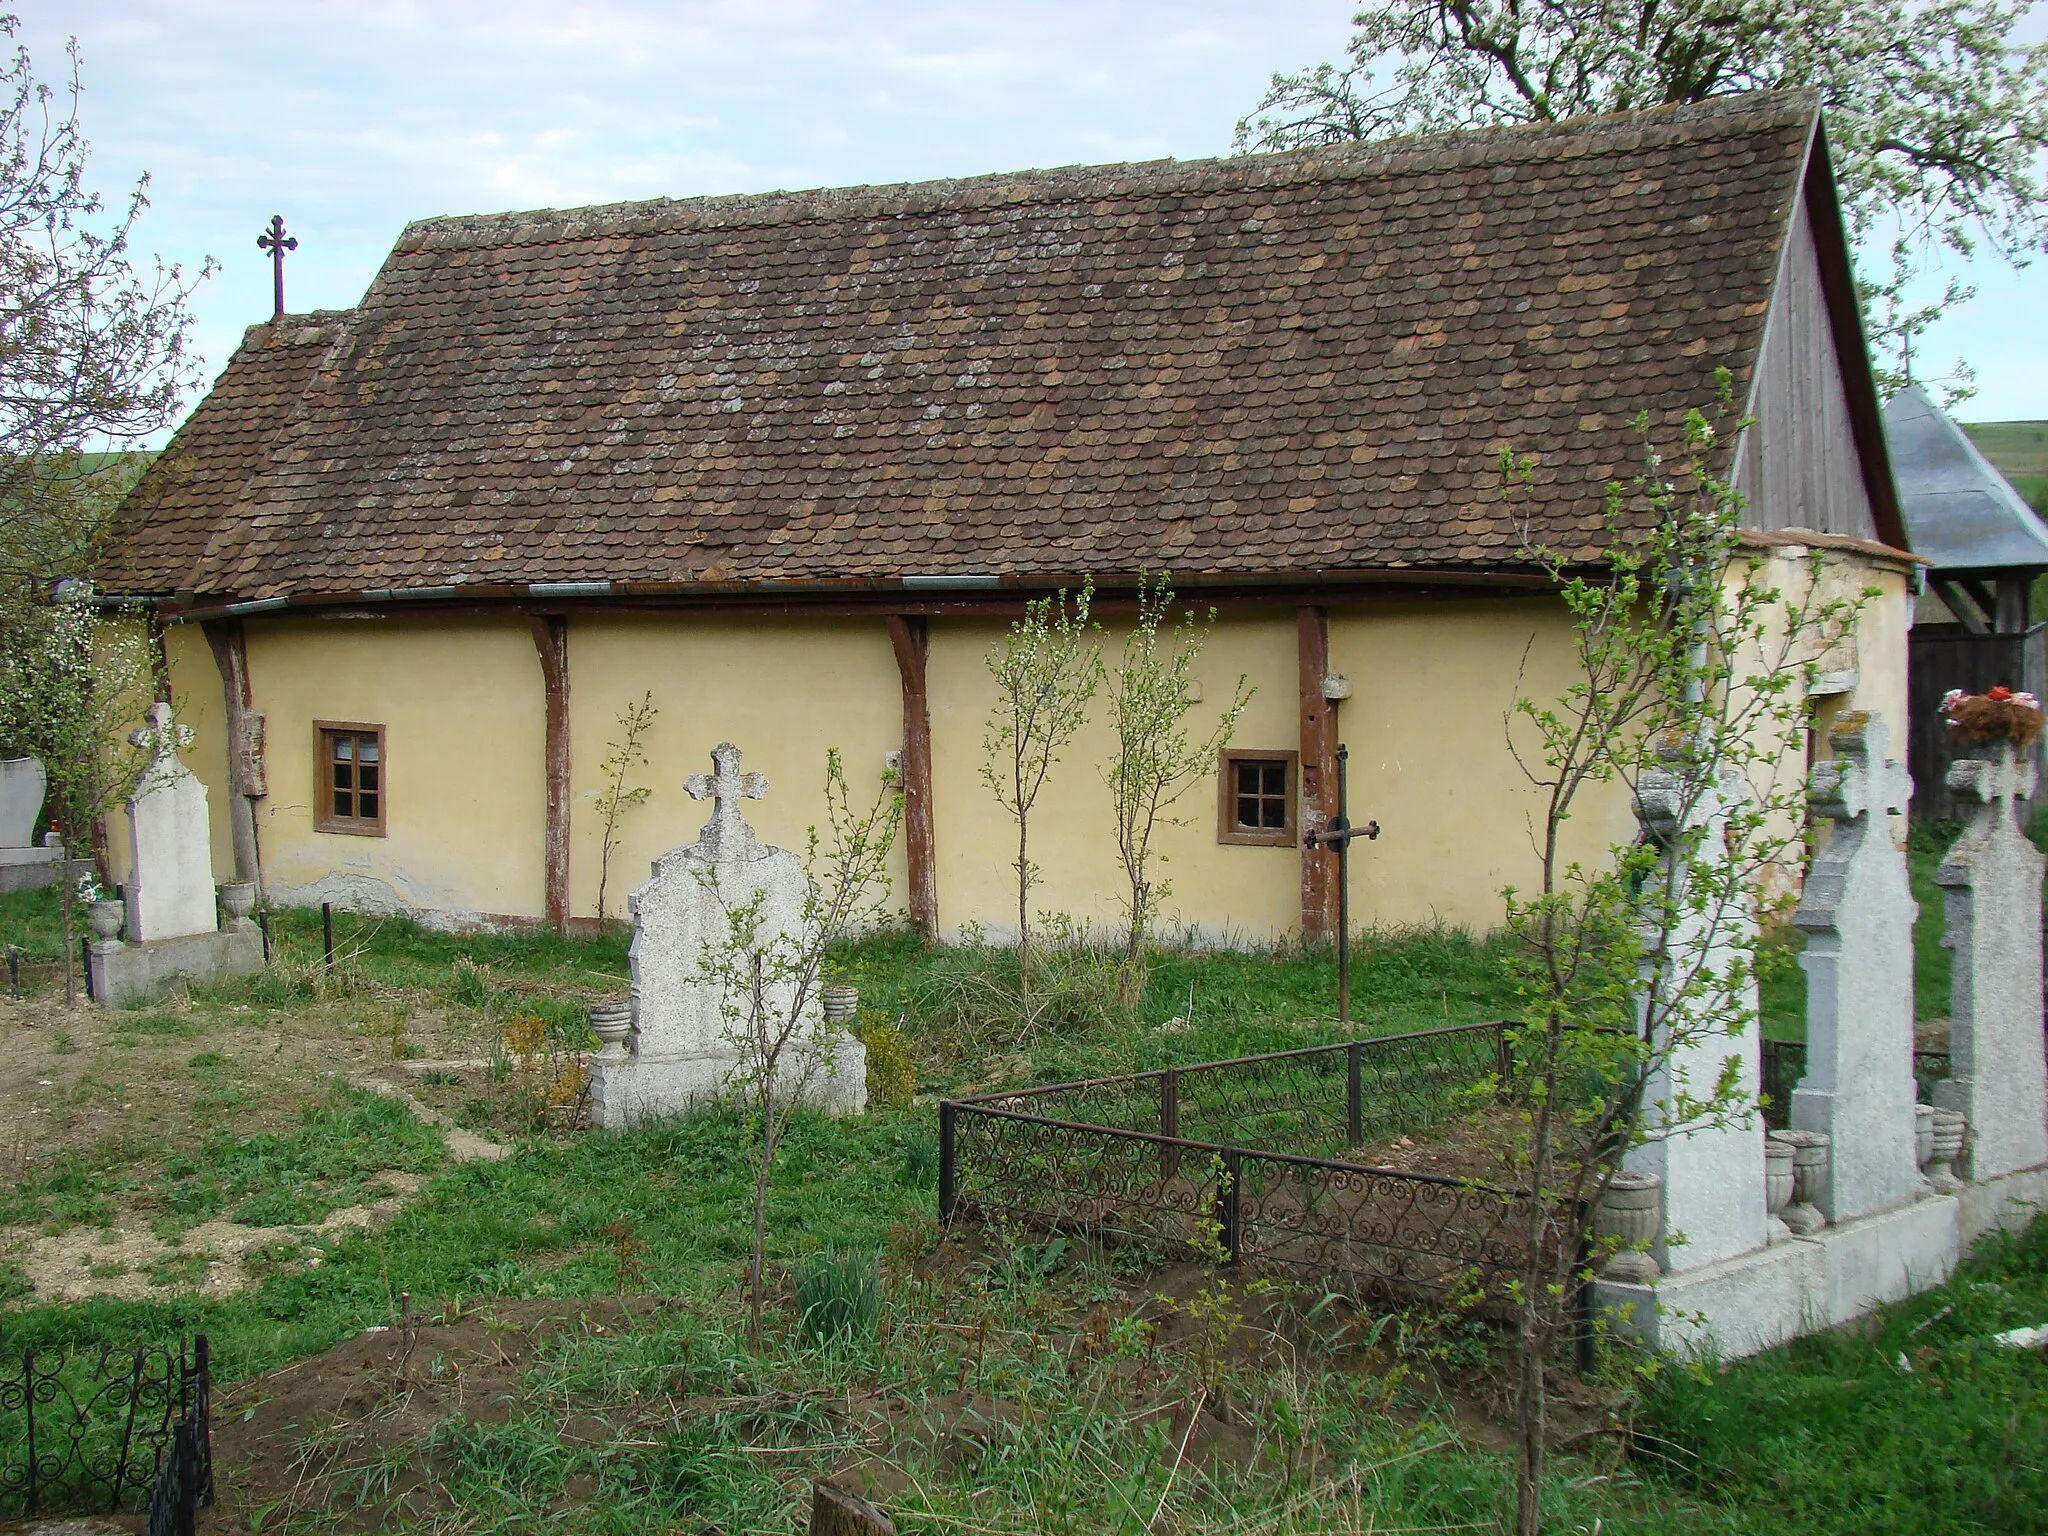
1995	715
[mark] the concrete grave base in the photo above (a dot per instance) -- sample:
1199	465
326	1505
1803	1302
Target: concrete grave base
2007	1203
124	975
1766	1297
30	869
626	1090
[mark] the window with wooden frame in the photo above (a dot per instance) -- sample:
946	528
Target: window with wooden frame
1256	800
349	778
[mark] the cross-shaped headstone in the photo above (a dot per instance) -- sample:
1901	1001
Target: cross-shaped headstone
163	736
1859	779
1996	781
727	832
1857	914
1992	877
277	242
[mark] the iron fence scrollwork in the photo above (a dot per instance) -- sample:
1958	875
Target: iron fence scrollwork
100	1431
1236	1156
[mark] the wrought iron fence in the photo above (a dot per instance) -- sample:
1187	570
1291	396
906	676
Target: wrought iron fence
1202	1161
1784	1063
100	1431
1317	1100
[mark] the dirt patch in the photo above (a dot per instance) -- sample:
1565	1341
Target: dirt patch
215	1258
388	1387
1475	1146
103	1115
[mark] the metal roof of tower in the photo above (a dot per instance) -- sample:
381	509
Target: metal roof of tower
1961	513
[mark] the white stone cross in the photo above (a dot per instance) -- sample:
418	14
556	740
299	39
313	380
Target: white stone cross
727	833
1859	778
1857	913
164	737
1992	877
1997	781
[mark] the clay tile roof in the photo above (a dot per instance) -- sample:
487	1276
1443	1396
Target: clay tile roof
1241	369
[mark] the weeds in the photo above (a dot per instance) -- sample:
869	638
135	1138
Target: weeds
839	1295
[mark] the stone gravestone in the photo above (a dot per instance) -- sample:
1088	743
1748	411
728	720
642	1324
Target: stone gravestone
1992	877
170	877
1713	1175
680	1055
23	865
1857	913
172	928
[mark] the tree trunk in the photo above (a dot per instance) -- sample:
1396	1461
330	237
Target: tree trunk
1023	911
755	1286
1529	1414
65	896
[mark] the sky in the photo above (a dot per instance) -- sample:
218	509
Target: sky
352	118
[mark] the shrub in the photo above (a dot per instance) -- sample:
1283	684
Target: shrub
892	1073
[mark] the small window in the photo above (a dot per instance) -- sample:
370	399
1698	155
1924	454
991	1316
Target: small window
1256	798
349	778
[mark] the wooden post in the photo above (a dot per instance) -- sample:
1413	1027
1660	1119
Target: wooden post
911	638
1318	773
835	1512
551	639
246	786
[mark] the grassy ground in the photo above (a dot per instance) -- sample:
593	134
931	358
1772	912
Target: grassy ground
1007	1383
1916	1423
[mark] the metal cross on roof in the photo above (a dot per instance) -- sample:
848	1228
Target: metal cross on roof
277	242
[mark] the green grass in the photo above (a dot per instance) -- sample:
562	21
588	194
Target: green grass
1759	1449
1917	1424
2019	450
285	1178
529	1226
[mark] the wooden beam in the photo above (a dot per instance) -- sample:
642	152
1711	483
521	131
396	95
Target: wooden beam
910	636
1318	772
1960	604
246	782
551	639
2013	615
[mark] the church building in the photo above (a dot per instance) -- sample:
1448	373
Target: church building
789	464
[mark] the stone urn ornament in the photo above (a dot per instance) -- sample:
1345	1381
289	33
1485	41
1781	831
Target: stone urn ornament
842	1004
612	1022
1809	1178
1950	1128
1626	1221
106	918
1779	1179
238	900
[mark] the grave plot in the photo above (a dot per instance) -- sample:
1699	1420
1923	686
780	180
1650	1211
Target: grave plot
1281	1163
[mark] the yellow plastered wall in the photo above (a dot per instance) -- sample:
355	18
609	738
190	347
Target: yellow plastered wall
461	703
463	707
1227	893
784	691
1433	691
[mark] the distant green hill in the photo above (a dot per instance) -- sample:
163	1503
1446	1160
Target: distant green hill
2020	450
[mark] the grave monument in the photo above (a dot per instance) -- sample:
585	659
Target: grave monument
25	865
1992	877
680	1053
1857	914
172	929
1713	1171
1879	1233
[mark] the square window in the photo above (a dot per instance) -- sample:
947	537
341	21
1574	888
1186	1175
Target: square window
350	769
1256	803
